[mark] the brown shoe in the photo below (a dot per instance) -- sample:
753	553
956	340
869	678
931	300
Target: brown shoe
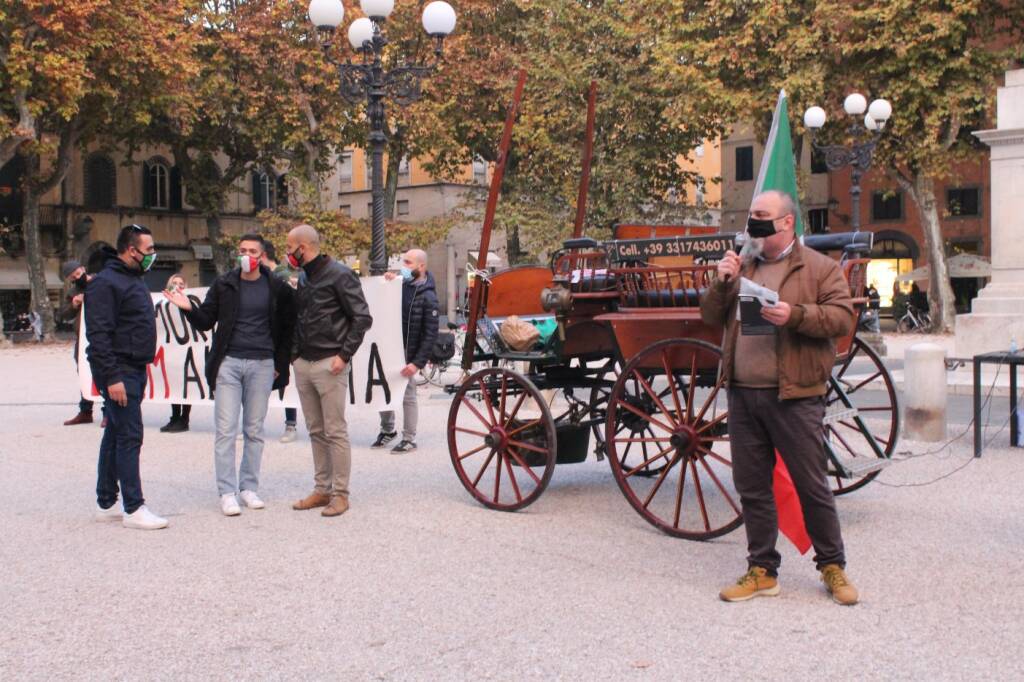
838	585
754	583
337	507
312	501
80	418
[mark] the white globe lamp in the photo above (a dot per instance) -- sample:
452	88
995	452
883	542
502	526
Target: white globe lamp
438	18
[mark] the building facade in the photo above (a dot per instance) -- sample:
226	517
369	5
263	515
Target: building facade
884	209
105	190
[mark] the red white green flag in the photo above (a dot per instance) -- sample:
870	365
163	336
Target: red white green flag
778	170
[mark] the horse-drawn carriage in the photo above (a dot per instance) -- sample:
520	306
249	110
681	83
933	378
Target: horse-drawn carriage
632	374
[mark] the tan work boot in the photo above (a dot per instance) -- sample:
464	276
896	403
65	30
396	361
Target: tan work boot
337	507
754	583
312	501
838	585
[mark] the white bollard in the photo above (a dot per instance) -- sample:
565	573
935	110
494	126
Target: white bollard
924	393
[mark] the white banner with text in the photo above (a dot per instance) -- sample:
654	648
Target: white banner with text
177	374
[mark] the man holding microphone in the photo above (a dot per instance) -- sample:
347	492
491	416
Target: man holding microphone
776	390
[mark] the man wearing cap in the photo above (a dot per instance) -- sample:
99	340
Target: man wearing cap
75	278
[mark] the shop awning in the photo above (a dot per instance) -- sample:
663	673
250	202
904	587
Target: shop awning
961	265
493	259
14	275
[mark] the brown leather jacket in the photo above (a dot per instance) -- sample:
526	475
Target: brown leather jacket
822	311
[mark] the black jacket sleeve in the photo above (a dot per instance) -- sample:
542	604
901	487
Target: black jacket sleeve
428	331
286	314
205	316
350	295
100	325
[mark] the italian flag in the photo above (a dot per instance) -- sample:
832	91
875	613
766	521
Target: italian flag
778	170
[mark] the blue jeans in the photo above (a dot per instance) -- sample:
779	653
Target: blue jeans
121	444
242	385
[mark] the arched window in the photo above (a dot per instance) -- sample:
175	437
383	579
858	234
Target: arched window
264	190
264	185
156	181
100	180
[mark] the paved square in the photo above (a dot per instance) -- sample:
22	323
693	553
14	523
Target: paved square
417	581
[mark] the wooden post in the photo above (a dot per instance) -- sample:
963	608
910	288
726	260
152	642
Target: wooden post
588	155
476	301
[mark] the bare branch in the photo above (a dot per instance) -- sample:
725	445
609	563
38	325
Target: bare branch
24	131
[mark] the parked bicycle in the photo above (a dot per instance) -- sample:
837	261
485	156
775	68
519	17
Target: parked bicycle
914	320
434	372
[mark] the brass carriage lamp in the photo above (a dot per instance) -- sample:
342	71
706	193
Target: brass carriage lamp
858	155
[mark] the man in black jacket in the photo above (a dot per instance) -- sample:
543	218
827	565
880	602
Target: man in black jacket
254	313
332	319
419	332
120	328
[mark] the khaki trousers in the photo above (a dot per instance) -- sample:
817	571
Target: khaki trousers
323	396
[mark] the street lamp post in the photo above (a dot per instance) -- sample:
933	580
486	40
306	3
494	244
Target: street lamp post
369	80
865	137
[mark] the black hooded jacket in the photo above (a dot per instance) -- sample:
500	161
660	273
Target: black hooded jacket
419	319
120	321
221	309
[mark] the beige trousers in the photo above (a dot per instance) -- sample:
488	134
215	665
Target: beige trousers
323	397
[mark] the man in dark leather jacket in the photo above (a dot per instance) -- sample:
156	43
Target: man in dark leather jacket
332	319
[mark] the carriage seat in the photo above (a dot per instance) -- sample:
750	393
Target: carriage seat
663	298
580	243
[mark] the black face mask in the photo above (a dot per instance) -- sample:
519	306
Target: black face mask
81	282
760	228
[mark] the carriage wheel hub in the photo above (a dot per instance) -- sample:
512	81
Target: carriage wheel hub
684	439
497	438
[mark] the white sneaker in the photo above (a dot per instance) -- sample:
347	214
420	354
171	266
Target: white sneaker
290	434
112	514
251	500
143	519
229	505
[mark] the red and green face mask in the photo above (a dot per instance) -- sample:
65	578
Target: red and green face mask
295	258
248	264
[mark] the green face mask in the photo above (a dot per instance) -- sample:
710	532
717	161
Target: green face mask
147	261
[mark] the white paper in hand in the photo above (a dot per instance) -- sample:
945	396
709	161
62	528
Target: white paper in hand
750	289
752	298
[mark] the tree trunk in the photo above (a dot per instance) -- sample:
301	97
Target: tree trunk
34	248
941	302
222	253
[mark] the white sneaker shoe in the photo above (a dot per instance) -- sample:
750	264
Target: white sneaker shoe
290	435
251	500
229	505
112	514
143	519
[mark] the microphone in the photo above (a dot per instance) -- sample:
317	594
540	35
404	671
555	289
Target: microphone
746	247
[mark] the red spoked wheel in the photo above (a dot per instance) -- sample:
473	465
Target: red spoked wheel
501	439
673	461
858	376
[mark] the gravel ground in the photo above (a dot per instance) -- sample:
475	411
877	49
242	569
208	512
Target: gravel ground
419	582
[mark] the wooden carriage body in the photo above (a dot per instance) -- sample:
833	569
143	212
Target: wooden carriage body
633	367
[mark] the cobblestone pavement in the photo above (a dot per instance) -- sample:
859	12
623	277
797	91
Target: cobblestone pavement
417	581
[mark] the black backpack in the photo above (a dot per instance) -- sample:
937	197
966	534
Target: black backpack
444	347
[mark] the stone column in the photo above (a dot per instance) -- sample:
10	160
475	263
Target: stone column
997	314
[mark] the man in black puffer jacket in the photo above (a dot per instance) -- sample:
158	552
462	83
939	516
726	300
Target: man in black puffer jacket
419	332
120	328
